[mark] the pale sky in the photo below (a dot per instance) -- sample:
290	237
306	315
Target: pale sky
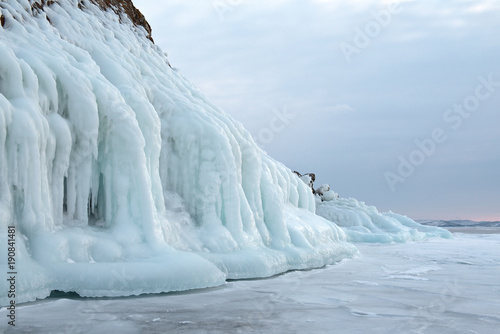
394	104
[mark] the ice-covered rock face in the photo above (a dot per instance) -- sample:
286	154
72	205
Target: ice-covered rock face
364	223
119	7
121	178
125	7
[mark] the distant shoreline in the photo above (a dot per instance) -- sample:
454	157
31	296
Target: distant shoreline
474	230
465	226
459	223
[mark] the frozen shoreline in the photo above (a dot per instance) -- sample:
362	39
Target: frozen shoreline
435	286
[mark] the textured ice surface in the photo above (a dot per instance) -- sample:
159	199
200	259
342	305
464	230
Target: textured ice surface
429	287
122	179
364	223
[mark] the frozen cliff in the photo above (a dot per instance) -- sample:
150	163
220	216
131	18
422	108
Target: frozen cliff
120	178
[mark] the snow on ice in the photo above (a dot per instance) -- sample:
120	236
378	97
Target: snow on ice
122	179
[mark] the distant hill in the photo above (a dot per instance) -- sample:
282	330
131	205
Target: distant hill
460	223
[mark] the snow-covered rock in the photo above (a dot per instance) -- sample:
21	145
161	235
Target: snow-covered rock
364	223
329	195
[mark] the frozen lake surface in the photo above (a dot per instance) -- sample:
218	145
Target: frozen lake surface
435	286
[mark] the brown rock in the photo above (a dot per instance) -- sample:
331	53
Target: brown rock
118	6
128	8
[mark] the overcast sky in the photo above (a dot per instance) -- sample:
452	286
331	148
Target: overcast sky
395	104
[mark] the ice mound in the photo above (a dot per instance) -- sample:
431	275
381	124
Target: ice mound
120	178
363	223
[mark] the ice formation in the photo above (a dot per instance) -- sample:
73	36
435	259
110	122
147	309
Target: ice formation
364	223
121	178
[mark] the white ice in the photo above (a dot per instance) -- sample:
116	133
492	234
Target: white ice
364	223
114	168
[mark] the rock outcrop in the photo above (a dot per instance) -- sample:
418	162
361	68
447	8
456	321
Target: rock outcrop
120	7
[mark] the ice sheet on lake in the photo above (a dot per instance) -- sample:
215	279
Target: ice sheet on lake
452	292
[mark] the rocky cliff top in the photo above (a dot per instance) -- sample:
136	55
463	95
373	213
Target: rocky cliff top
120	7
128	8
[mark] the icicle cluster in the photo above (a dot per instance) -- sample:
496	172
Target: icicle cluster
109	156
121	178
